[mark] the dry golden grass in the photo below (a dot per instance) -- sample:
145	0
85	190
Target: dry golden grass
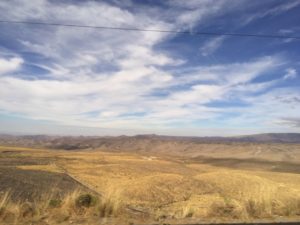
50	167
165	187
72	207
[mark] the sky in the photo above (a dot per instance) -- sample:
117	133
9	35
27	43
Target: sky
83	81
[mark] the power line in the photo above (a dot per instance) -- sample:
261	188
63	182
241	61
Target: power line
273	36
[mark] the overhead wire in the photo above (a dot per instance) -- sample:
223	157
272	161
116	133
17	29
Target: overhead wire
198	33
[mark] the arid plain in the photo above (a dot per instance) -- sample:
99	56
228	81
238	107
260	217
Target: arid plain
148	180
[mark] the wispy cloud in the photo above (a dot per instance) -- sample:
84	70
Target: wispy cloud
295	122
285	31
210	46
273	11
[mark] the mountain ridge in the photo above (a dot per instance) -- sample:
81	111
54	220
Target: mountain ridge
126	142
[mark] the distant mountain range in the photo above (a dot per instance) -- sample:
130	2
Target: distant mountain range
138	141
270	137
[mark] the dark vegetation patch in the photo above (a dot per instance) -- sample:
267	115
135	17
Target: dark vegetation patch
32	185
75	146
20	161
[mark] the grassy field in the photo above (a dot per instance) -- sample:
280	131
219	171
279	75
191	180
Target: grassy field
94	186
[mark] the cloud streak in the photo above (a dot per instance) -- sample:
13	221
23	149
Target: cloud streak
211	46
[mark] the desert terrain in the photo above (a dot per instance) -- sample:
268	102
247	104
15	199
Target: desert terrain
148	180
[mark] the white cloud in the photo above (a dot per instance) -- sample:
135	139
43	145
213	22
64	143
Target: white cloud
127	91
10	65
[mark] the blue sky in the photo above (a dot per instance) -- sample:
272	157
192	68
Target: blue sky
62	80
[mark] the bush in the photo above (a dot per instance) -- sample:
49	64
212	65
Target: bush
85	200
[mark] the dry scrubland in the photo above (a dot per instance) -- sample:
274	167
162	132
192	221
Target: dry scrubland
95	186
